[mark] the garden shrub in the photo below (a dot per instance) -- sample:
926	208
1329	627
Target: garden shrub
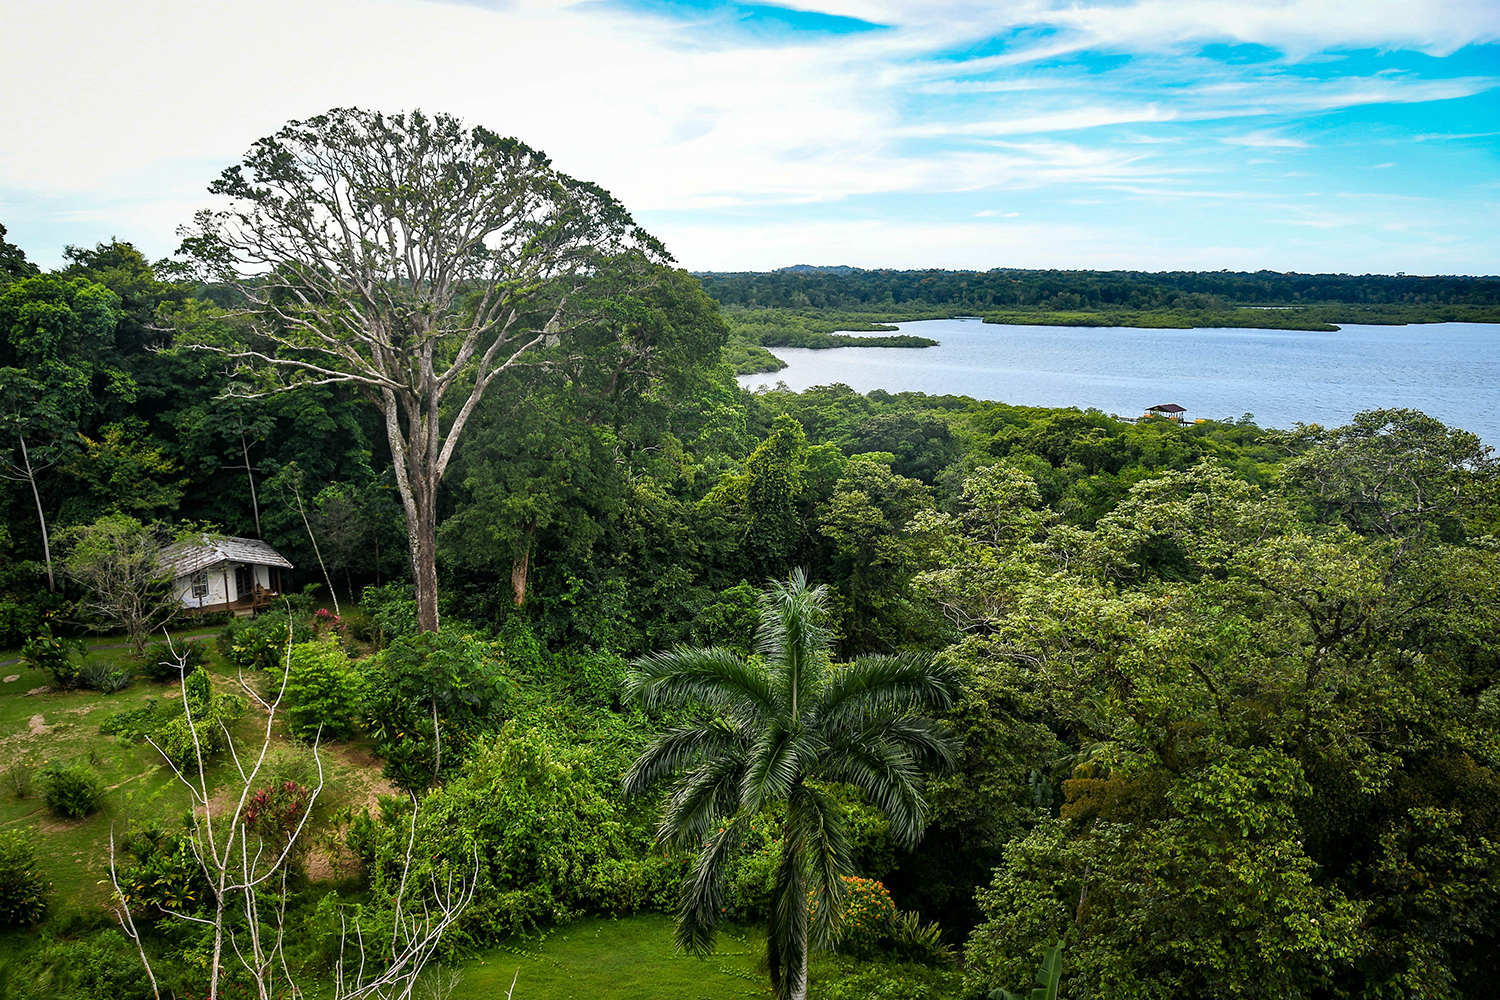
276	810
54	656
914	941
458	677
545	835
104	677
164	661
72	790
136	724
163	873
23	890
392	610
358	625
260	643
18	779
870	917
201	709
322	691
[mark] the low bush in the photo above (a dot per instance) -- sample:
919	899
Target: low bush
260	643
136	724
18	779
166	722
322	691
53	655
23	890
104	677
72	790
100	964
162	874
547	838
870	917
360	626
169	661
392	610
277	809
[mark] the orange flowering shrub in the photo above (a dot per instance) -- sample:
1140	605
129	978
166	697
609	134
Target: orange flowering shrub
869	920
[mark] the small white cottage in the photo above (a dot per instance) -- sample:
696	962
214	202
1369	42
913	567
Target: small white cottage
226	574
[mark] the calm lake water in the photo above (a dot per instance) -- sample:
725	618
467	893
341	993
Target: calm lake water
1448	370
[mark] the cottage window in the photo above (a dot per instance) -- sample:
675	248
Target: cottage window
200	583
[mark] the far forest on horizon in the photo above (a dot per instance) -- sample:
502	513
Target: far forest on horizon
807	306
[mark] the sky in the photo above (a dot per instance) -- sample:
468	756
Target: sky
1310	135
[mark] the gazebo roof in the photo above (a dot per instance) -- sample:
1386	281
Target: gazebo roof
1167	408
190	557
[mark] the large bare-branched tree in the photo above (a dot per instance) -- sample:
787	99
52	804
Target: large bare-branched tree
414	258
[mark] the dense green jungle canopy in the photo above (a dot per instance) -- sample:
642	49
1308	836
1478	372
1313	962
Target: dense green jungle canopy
1230	718
981	291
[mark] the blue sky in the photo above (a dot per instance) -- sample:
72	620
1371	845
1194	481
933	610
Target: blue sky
1153	134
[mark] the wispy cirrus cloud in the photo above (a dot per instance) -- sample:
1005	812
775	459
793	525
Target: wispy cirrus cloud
1107	118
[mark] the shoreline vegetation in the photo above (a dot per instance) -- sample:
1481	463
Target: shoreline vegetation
752	331
815	307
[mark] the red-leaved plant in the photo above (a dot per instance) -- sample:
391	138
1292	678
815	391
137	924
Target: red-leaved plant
276	809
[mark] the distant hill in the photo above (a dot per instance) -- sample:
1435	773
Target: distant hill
818	269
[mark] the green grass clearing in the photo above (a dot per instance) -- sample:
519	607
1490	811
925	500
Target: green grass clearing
629	958
44	726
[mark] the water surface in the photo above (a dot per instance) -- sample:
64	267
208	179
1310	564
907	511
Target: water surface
1448	370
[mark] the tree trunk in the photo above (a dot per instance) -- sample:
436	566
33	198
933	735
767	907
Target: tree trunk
37	496
424	561
520	564
416	481
799	982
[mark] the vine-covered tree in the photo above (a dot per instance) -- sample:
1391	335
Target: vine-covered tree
413	258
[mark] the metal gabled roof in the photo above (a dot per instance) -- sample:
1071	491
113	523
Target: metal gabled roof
190	557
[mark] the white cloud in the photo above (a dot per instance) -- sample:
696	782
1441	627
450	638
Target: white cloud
127	115
1264	139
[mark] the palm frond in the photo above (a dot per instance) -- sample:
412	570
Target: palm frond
794	638
786	930
888	774
929	741
773	763
702	901
681	747
714	677
890	684
705	795
826	845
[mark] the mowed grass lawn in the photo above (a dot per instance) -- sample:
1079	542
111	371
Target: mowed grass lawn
630	958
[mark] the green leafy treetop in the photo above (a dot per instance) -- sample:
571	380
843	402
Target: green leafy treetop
415	259
776	728
13	262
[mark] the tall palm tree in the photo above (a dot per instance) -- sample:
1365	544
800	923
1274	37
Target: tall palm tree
775	728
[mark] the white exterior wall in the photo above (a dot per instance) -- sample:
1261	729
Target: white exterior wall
222	586
217	592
